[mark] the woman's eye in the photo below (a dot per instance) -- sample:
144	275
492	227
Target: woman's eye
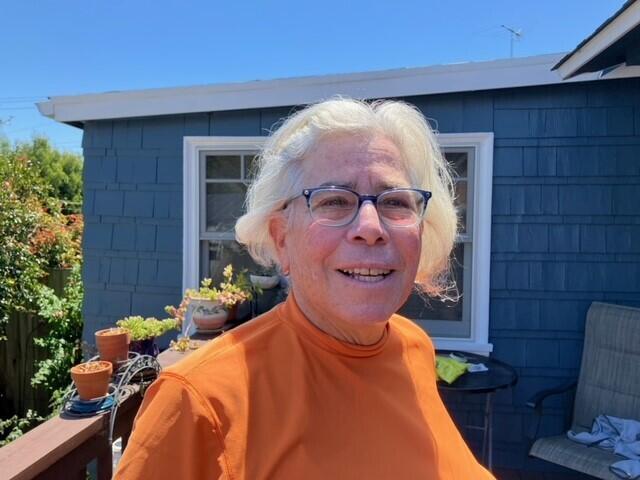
396	202
336	202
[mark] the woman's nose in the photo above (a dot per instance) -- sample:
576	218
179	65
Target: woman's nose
367	227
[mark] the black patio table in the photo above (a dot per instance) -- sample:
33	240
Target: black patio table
498	376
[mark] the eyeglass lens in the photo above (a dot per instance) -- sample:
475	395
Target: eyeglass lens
339	207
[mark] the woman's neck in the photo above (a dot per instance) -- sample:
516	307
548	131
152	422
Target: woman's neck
355	334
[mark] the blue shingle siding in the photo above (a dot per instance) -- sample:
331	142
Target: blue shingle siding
108	202
271	118
170	168
124	236
236	123
197	124
578	243
137	169
565	223
128	133
138	204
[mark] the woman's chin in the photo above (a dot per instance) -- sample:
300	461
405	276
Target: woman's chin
365	315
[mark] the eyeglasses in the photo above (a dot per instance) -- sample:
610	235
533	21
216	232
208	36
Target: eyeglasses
339	206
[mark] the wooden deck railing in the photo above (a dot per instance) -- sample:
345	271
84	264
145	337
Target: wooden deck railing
62	447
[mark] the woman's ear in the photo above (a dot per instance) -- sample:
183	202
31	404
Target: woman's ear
278	232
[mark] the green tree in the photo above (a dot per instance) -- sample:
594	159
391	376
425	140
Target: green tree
22	193
61	171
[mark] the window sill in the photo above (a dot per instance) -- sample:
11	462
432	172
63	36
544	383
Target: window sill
470	346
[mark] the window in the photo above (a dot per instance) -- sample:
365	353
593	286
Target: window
224	178
452	319
216	175
464	325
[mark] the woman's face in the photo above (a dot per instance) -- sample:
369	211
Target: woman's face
361	273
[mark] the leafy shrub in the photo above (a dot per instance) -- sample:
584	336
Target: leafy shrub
63	316
21	198
57	240
40	194
35	235
14	427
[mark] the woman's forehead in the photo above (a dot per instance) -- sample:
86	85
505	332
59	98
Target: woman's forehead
344	159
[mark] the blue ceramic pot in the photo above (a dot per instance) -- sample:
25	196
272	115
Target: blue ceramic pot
147	346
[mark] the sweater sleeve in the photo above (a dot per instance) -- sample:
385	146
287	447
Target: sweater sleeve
175	435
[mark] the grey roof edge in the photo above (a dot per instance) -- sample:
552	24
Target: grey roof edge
470	76
595	33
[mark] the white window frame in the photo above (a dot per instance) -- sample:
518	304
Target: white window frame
478	341
191	196
481	233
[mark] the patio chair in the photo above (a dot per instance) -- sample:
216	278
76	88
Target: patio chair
608	383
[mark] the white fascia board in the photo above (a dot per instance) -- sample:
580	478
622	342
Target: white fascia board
610	34
518	72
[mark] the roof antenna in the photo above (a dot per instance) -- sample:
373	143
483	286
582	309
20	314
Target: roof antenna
515	35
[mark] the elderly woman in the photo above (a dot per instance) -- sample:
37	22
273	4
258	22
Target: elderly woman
330	384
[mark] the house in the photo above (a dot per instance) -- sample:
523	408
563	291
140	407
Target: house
547	155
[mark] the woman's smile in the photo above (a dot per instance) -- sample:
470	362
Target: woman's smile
365	274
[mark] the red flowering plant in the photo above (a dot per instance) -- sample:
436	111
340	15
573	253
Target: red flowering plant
57	239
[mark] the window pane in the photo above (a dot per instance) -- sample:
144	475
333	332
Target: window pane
458	162
223	253
431	309
218	254
223	166
461	204
225	203
250	166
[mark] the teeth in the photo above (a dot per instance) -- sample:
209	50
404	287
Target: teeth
373	272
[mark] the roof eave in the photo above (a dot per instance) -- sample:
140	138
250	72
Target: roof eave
622	22
404	82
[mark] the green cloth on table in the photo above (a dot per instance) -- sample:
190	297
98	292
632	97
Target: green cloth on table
449	369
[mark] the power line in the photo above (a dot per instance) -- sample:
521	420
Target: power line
24	99
31	127
17	108
10	102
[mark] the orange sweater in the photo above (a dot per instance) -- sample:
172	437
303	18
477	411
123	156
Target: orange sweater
277	398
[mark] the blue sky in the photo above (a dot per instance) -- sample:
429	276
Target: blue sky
67	47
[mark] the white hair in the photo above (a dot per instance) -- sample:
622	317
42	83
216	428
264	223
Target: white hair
279	176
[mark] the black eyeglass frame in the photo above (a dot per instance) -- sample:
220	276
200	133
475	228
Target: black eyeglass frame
307	192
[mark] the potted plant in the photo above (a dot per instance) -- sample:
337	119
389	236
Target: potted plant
113	345
213	306
92	379
143	332
264	278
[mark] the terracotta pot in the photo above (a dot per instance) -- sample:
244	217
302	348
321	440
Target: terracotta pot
92	379
113	345
208	314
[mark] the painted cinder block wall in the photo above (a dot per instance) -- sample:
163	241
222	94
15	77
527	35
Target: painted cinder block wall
565	223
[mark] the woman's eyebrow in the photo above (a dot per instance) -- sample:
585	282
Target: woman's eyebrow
352	186
349	185
389	186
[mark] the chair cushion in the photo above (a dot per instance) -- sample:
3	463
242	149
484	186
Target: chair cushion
590	460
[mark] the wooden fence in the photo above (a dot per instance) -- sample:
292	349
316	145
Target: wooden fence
19	355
